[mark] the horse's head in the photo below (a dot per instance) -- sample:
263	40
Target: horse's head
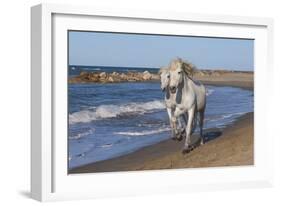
176	75
165	78
177	70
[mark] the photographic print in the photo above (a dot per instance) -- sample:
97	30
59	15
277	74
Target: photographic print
149	101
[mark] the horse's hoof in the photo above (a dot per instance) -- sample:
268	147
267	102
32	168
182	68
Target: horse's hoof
187	150
179	138
202	142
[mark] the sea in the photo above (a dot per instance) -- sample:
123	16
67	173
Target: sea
114	119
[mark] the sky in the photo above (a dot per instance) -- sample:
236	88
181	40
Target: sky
139	50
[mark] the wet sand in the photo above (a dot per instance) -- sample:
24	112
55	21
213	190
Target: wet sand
231	146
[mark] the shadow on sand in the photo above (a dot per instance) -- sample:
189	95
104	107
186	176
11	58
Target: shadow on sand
208	136
211	135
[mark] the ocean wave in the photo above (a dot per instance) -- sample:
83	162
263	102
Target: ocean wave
223	116
143	133
111	111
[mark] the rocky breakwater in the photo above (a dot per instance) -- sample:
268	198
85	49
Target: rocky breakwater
104	77
201	75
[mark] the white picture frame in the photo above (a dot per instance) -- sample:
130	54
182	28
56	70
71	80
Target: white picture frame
49	178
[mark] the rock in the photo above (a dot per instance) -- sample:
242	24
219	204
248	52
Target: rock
123	76
102	75
83	73
146	75
110	79
155	77
94	78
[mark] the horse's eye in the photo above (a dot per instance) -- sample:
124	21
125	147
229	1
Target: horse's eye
168	76
179	72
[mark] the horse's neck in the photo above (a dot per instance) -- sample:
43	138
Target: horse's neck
187	89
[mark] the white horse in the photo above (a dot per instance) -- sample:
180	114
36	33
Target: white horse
170	104
190	98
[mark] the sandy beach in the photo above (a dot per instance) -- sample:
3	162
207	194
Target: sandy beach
244	80
231	146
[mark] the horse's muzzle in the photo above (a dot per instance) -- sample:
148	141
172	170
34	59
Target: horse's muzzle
173	89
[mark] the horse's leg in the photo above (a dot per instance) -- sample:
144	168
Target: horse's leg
181	135
169	111
194	123
176	119
201	122
179	129
188	129
185	119
179	123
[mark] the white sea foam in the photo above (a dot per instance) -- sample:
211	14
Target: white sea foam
110	111
209	92
222	117
142	133
83	134
106	146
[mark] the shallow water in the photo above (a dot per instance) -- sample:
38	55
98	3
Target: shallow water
109	120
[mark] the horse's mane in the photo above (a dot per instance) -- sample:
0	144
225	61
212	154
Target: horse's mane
187	67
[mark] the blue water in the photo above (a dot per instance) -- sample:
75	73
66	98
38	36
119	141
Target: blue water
109	120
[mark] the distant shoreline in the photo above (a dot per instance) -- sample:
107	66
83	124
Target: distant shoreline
218	77
231	146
